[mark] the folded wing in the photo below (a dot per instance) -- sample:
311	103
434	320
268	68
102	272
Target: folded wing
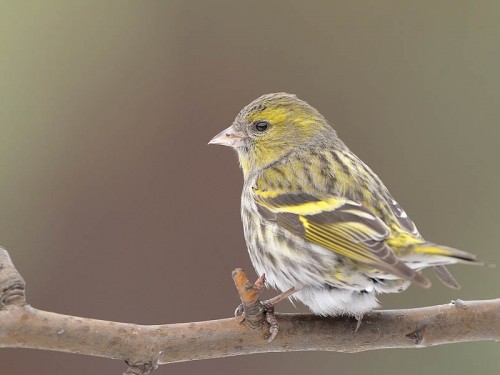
340	225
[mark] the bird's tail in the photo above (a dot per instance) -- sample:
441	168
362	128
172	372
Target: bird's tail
438	256
448	254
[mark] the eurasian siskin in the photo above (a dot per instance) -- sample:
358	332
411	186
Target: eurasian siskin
317	220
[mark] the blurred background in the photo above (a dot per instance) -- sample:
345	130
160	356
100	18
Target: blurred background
113	206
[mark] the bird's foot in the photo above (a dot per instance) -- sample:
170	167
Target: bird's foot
267	307
268	310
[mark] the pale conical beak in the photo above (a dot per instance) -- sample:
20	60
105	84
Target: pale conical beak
229	137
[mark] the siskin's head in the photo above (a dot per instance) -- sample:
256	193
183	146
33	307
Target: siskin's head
271	127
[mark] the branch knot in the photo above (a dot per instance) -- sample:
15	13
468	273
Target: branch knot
140	368
12	284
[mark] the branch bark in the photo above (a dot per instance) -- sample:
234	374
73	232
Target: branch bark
144	347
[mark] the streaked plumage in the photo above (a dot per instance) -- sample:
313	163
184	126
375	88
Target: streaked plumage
317	218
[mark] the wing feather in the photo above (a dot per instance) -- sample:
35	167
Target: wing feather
342	226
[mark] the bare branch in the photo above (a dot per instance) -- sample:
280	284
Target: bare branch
145	347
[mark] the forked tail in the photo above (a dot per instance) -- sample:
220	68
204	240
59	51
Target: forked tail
449	256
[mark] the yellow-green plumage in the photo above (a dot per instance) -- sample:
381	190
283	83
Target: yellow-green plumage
318	219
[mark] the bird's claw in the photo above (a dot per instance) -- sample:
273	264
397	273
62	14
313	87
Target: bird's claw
268	310
239	310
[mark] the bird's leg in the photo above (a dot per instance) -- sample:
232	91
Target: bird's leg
359	318
280	297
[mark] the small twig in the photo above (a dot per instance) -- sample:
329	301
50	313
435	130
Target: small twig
250	302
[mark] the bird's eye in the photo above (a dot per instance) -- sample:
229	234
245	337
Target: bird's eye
261	126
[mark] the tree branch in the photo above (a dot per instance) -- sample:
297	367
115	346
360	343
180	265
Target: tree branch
144	347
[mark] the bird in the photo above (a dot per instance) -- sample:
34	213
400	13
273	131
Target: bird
318	222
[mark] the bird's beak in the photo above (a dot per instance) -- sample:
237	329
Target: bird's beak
229	137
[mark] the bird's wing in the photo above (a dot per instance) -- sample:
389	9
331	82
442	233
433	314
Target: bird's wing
337	224
402	218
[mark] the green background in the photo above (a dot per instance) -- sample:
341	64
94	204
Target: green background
113	206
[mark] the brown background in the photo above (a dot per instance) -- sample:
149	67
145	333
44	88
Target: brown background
113	206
